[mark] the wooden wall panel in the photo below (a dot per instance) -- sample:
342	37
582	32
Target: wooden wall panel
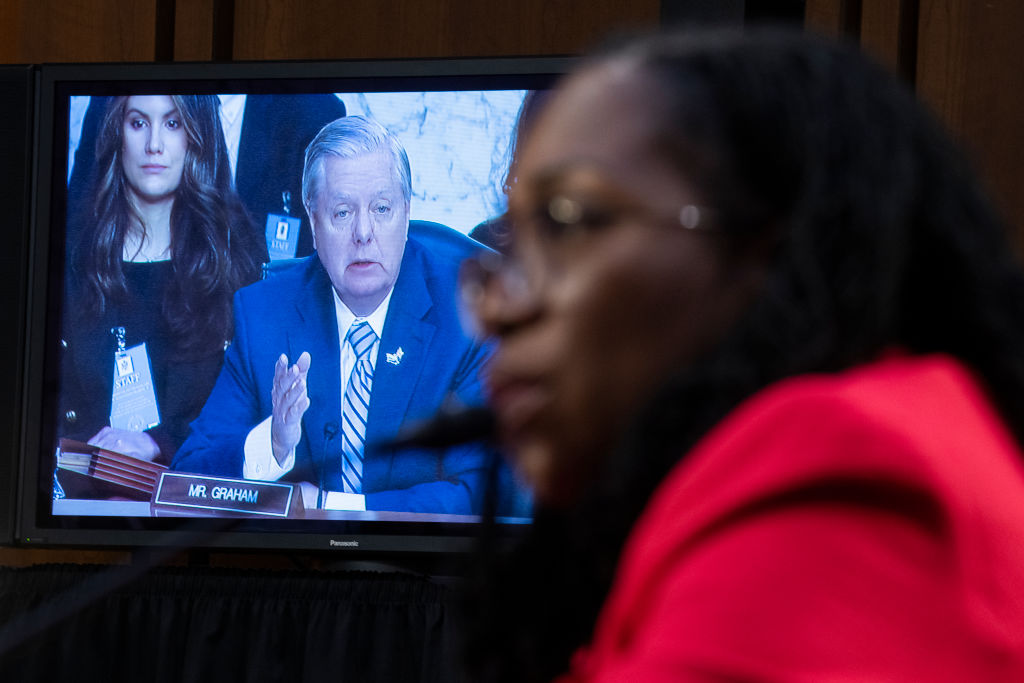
970	69
77	30
943	59
193	30
828	17
10	31
331	29
880	30
964	57
885	29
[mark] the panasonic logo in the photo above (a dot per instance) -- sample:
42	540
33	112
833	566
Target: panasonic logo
344	544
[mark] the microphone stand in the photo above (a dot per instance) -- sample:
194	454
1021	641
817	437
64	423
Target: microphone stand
330	431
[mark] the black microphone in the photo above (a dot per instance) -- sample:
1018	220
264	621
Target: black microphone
330	431
448	427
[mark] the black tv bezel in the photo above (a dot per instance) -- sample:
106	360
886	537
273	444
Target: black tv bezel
16	125
35	525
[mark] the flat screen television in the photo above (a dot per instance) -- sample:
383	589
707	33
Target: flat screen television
456	120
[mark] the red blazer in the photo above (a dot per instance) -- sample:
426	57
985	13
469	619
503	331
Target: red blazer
865	526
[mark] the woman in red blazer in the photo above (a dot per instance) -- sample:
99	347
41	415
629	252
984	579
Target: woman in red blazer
762	362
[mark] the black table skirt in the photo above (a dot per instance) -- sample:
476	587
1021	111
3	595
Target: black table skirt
209	624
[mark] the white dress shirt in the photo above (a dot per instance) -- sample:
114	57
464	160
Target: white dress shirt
260	462
232	110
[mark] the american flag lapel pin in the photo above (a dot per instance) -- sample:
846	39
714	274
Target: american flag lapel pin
396	357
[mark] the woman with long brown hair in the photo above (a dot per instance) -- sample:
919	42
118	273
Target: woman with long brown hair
151	279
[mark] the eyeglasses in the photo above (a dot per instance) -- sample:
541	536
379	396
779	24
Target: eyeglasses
562	218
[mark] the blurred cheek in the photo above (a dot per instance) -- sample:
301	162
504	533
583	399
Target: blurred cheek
566	446
617	322
534	461
552	471
602	331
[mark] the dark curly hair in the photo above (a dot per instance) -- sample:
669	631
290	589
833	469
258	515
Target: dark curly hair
879	237
214	246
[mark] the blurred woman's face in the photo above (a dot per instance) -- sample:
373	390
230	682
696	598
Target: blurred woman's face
153	148
610	292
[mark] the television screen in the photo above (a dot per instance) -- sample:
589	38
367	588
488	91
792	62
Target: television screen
244	293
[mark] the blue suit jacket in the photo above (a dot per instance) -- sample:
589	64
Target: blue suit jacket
293	311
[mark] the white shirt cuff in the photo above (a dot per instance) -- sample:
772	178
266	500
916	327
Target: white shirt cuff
260	462
338	500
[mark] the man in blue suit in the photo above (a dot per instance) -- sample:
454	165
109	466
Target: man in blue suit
342	349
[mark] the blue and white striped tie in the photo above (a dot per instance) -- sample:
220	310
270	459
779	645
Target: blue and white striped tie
355	405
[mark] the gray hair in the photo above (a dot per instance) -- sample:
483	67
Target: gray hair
347	138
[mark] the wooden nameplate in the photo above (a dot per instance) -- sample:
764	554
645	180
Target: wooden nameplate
198	495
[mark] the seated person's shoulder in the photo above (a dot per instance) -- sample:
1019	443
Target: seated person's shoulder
441	244
283	274
917	422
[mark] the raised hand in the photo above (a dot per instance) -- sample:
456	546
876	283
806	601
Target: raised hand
290	401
